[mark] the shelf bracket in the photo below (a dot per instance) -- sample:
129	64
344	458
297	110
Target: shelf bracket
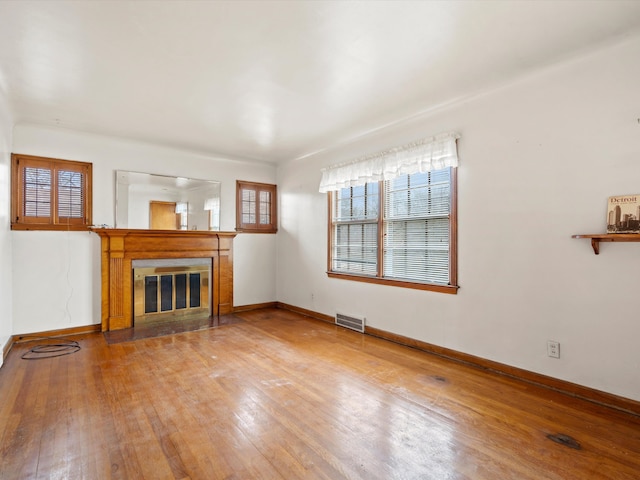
595	243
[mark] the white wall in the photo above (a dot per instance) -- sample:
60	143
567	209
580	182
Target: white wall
6	125
538	159
57	274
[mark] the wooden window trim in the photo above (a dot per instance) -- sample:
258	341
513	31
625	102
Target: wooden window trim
256	227
51	222
452	288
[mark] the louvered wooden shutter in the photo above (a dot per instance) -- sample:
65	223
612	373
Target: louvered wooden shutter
50	193
37	190
71	201
256	209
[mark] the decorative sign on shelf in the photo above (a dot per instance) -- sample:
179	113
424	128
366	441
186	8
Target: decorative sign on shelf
623	214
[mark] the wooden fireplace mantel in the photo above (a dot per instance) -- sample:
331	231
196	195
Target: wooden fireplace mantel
121	246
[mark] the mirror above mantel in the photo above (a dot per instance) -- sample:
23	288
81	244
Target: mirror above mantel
160	202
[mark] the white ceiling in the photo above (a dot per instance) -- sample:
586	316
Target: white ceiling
276	80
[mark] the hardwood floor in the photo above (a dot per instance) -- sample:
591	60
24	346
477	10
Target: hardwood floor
280	396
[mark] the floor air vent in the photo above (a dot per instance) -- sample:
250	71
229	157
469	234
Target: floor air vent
354	323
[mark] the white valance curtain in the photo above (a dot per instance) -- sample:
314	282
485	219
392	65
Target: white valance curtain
431	153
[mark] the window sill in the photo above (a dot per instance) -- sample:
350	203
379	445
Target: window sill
46	226
252	230
449	289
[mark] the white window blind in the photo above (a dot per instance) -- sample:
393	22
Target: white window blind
416	227
355	231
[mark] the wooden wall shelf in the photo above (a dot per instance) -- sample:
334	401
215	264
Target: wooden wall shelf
609	237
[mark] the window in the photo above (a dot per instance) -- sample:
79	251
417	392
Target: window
400	231
50	194
256	210
212	206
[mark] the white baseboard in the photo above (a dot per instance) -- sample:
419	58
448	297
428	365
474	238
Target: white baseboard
5	343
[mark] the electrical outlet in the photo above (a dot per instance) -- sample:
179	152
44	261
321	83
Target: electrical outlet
553	349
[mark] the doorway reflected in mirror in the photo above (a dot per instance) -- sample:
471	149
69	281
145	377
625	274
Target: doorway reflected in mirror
161	202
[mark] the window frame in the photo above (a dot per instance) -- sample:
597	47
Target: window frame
451	288
256	227
53	221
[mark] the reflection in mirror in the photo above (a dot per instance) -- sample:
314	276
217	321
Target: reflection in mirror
159	202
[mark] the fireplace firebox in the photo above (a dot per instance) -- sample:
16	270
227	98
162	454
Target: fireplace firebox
170	289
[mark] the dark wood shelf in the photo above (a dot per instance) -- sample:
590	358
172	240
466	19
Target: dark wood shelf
608	237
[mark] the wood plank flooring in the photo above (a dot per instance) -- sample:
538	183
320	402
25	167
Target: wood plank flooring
280	396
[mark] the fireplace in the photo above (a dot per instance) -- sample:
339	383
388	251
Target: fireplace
170	289
179	258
